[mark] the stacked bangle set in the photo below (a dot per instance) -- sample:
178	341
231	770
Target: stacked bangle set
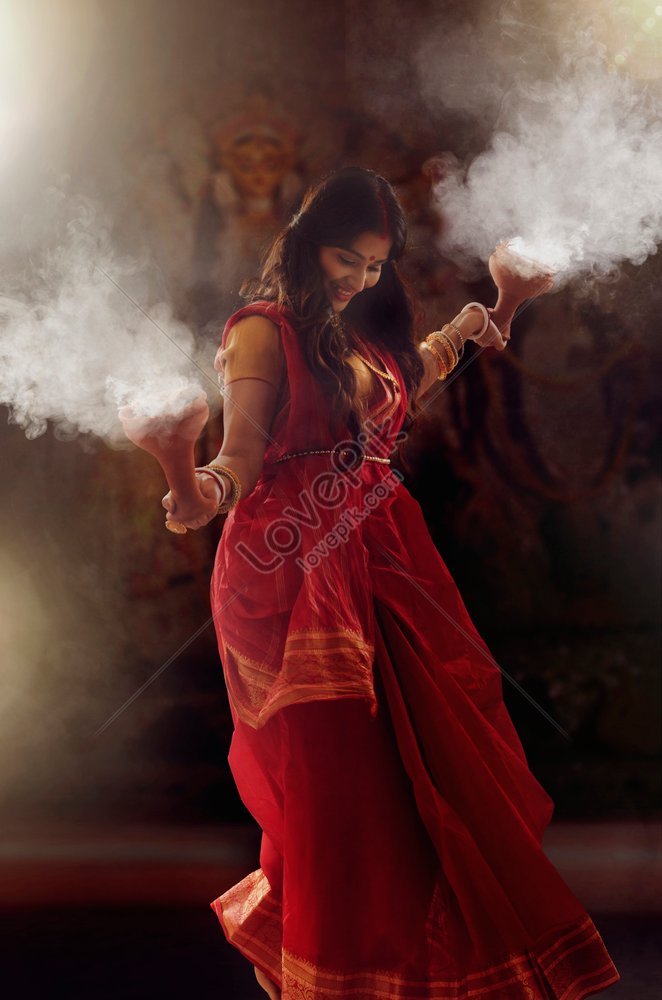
440	343
217	472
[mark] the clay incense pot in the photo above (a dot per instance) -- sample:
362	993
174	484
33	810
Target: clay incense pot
171	440
517	278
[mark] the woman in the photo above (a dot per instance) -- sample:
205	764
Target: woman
401	849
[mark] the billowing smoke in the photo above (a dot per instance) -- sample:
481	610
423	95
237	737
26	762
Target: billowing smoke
81	334
573	169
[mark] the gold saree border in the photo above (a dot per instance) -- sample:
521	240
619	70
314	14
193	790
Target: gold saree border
252	922
317	665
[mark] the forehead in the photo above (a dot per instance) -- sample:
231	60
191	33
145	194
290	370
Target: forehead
372	246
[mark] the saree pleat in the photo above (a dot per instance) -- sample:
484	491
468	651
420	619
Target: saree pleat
371	882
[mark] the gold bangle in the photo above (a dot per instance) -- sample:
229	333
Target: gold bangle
436	338
448	340
445	357
460	350
444	341
235	495
441	362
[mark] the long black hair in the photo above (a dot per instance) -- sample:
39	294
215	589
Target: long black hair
334	212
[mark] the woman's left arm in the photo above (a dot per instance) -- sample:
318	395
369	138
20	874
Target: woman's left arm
469	324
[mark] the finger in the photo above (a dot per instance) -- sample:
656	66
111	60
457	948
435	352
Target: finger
498	340
494	337
169	503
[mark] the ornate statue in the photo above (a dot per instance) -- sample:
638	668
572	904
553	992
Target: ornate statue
246	197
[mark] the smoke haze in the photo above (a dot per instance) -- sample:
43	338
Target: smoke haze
573	167
75	343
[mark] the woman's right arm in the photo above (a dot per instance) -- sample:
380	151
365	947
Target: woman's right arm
253	366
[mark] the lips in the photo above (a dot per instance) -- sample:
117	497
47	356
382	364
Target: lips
343	294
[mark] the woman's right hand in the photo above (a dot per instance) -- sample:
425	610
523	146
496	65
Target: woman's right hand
195	512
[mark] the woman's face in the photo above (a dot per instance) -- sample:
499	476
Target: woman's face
347	270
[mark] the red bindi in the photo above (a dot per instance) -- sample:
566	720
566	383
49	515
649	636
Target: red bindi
372	258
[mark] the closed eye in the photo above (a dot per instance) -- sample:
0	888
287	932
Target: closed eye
352	263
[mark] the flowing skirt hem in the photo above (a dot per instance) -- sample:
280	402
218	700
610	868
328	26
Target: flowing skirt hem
568	963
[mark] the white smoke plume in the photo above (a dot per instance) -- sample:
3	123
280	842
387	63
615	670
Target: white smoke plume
79	335
573	169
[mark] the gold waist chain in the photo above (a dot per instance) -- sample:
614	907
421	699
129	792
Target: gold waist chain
332	451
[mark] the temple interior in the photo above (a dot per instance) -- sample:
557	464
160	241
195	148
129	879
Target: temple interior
168	142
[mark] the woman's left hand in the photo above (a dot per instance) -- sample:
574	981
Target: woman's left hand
491	337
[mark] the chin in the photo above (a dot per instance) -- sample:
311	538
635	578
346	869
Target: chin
337	305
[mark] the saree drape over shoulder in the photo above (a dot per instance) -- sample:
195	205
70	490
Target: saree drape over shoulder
401	849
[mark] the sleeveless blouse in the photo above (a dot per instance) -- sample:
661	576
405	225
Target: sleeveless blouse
259	356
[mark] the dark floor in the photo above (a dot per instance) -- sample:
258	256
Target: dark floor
144	953
141	952
94	914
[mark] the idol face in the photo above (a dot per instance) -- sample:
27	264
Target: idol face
257	165
348	270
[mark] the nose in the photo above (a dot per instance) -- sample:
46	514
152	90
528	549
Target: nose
360	277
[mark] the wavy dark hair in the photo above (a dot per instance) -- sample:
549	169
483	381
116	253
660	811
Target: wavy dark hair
334	212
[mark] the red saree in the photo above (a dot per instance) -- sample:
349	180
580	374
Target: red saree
401	851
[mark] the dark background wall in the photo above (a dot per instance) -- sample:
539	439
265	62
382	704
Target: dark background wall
538	470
